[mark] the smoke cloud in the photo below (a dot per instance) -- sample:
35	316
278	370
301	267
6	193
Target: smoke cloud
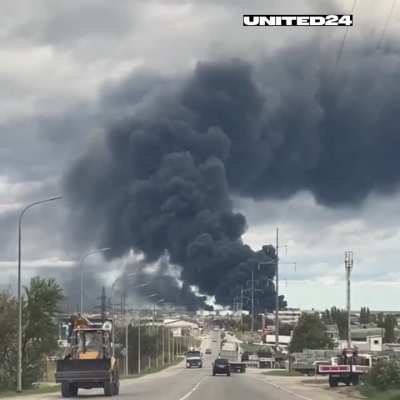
163	177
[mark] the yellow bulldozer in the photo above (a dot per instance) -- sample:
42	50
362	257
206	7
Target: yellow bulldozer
89	360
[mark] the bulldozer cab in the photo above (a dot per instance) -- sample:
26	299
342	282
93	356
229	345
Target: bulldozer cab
87	341
91	344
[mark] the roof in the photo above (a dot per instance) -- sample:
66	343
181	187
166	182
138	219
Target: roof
284	339
181	324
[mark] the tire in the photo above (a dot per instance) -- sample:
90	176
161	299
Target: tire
355	380
66	390
116	385
108	388
228	374
74	390
333	382
213	373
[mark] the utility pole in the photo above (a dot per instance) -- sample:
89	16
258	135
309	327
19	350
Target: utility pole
139	350
348	263
126	348
163	345
252	300
169	345
277	290
103	304
241	305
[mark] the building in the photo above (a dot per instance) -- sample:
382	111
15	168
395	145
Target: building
332	331
289	316
369	344
284	340
180	327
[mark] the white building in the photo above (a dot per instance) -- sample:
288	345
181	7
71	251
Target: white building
371	343
180	327
290	316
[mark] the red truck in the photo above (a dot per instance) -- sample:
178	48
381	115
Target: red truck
347	368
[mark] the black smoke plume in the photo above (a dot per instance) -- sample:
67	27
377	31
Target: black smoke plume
164	176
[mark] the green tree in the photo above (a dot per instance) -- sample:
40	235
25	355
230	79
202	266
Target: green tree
338	317
365	316
384	375
362	316
310	333
389	326
380	320
8	340
39	331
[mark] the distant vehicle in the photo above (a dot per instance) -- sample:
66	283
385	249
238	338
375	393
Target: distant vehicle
221	367
214	340
89	361
231	352
194	359
347	368
208	351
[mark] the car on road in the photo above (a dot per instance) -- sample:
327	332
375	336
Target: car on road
221	367
208	351
194	359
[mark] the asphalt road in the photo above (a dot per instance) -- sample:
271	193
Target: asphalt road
180	383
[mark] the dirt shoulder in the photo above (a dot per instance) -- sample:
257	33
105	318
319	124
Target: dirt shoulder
308	388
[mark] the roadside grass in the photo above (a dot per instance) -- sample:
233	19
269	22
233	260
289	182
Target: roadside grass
44	388
51	388
152	370
373	394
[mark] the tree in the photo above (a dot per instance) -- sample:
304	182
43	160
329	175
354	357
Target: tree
380	320
39	331
364	316
389	326
338	317
384	375
8	340
310	333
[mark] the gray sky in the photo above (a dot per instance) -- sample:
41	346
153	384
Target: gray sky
58	62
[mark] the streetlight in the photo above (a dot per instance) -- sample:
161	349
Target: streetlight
127	332
139	339
81	268
131	275
348	263
19	357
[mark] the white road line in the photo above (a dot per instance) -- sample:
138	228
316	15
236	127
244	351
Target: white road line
193	389
300	396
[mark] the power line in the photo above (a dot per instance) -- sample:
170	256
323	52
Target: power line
385	26
341	47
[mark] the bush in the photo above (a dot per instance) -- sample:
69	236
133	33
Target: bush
384	375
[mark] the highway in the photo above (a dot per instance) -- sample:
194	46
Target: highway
180	383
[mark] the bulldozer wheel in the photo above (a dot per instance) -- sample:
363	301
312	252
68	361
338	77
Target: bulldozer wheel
66	390
108	388
115	384
74	390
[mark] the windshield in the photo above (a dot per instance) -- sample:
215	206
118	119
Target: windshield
193	354
89	341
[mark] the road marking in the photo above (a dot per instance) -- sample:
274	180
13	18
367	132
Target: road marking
300	396
193	389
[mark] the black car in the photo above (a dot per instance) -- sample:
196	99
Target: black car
221	366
